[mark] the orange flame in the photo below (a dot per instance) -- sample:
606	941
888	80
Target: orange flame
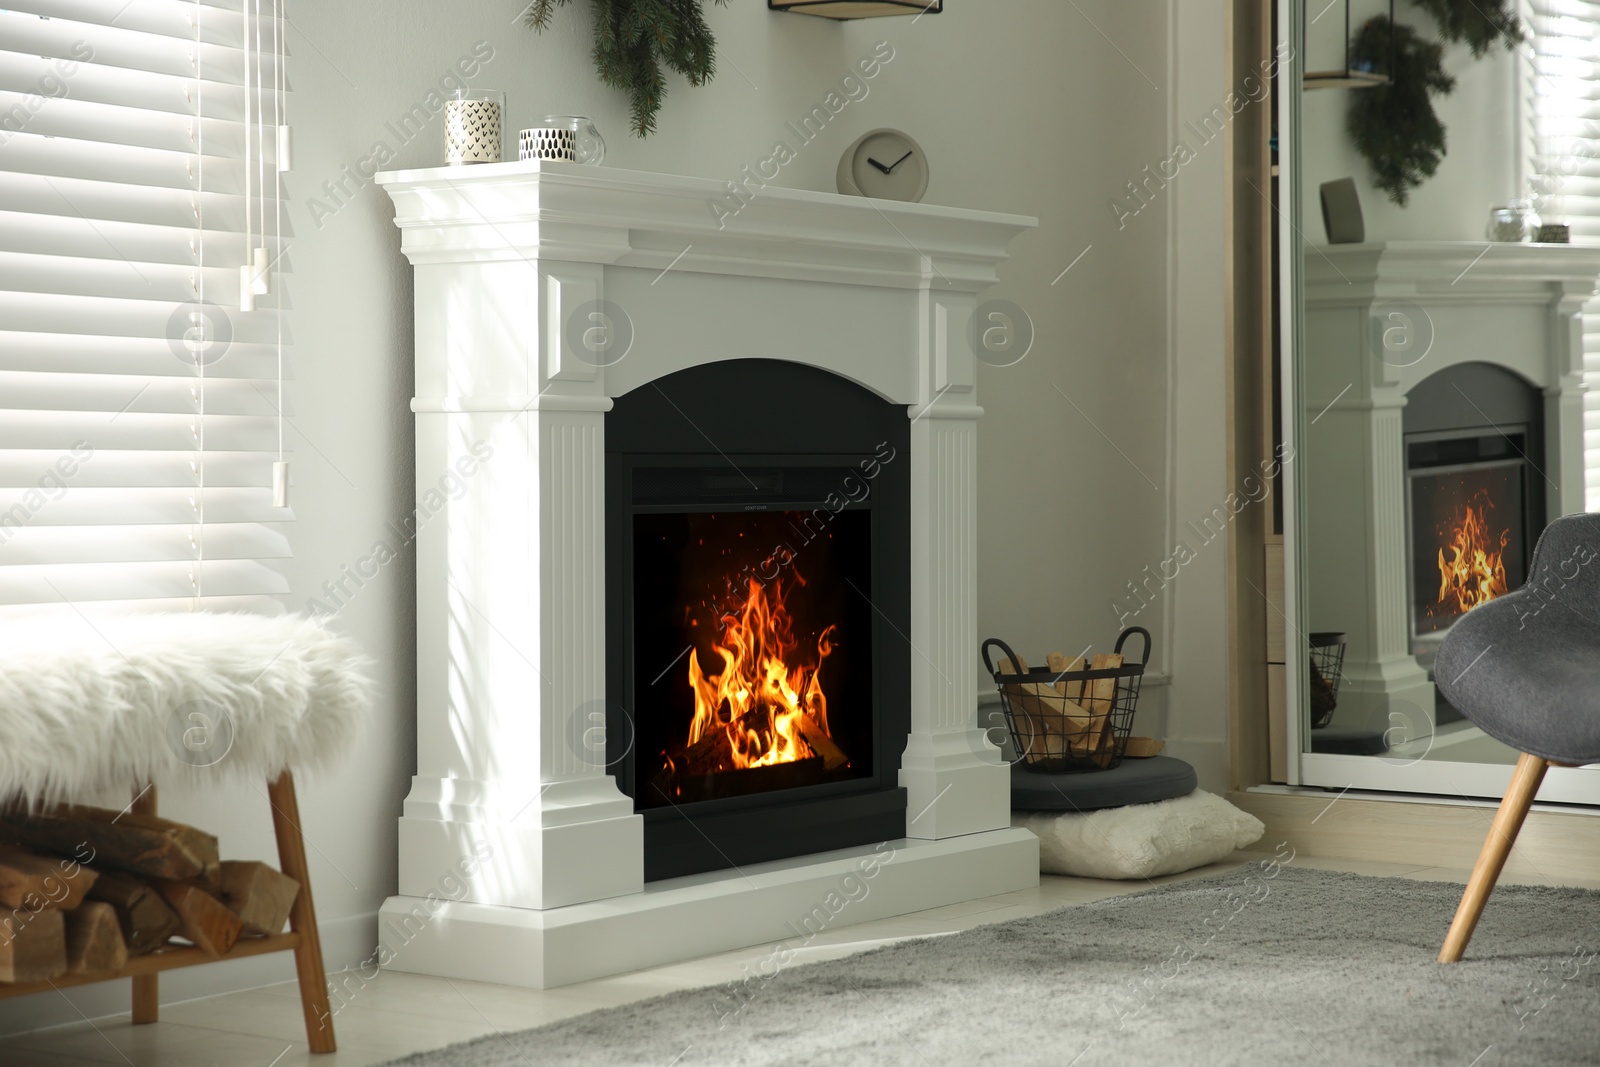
767	697
1475	572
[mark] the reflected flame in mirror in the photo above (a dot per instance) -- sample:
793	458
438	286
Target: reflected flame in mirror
1472	569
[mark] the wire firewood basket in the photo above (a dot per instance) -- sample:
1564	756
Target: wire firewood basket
1326	670
1073	716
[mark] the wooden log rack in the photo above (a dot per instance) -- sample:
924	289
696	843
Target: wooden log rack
302	938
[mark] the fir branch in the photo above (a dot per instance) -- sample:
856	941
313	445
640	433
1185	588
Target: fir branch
1480	23
635	39
538	13
1394	126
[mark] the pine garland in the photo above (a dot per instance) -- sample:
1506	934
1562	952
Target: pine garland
1480	23
1394	126
634	39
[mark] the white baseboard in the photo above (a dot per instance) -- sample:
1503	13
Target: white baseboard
345	942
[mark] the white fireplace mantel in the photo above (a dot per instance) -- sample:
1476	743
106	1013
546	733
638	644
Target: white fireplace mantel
521	268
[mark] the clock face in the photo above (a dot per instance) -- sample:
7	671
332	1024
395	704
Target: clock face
885	164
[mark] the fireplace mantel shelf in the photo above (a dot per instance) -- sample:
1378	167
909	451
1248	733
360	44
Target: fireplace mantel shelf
1449	270
516	266
660	221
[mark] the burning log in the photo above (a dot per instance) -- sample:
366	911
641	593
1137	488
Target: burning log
768	684
764	711
833	756
746	780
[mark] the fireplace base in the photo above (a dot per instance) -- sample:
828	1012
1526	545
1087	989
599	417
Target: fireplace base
698	915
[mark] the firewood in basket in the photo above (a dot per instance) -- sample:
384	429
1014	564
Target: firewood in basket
1049	723
33	946
1143	747
1100	696
1081	726
258	894
41	882
128	841
94	939
146	920
208	925
833	756
1059	663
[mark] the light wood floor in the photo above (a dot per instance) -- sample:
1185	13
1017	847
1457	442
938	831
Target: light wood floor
399	1014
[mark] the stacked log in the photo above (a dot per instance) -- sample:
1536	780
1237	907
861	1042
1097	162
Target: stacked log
82	889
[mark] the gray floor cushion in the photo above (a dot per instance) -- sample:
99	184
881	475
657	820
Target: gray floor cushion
1348	741
1135	781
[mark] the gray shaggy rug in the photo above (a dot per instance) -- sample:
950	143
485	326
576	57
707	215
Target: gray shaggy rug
1256	965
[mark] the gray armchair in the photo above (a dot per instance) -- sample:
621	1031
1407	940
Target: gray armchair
1525	668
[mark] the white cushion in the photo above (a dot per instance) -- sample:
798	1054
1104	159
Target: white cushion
1143	840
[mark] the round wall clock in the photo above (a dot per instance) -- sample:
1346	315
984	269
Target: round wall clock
885	164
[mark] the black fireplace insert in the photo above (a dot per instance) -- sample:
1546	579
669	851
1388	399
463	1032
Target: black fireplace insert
1474	448
757	607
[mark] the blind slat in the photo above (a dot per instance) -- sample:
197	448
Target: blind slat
1563	108
130	475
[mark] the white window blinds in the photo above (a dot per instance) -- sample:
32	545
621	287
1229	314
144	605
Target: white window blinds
136	450
1563	157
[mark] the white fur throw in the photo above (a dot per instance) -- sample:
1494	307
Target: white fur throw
1142	840
171	698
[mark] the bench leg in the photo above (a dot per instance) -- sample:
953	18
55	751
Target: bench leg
303	916
146	987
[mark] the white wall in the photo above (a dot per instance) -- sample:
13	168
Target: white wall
1198	299
1479	169
1030	106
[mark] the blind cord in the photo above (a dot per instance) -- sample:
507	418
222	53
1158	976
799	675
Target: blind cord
205	323
280	470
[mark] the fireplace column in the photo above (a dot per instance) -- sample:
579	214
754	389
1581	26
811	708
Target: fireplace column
510	597
953	775
1358	573
1563	413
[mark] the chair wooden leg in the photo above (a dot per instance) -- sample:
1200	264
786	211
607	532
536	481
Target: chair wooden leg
1502	834
146	987
303	916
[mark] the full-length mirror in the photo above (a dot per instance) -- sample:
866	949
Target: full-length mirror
1447	232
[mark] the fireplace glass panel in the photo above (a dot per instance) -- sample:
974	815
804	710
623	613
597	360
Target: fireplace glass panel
752	660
